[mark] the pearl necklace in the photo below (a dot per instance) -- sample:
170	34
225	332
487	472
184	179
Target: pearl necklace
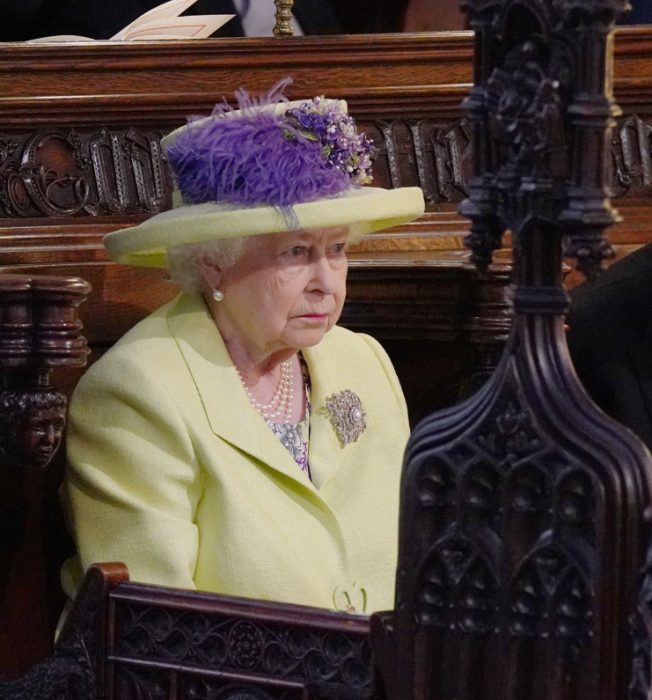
280	407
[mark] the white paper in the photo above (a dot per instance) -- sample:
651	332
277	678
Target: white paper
168	10
161	23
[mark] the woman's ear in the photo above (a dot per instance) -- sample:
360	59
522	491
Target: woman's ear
211	273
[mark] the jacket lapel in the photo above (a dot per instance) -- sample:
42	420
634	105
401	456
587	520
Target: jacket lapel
229	412
325	454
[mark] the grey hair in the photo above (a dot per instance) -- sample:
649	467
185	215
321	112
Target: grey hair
183	261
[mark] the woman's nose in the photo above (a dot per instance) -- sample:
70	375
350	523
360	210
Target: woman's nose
324	277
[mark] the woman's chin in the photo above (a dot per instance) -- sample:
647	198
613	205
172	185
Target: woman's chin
308	337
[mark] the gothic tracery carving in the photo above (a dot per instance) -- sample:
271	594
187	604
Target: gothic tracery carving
274	650
508	477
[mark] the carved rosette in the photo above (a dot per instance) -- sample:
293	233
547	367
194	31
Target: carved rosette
265	650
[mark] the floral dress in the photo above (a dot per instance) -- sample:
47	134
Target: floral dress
295	436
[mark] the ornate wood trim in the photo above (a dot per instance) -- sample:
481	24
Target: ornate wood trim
103	172
39	331
522	536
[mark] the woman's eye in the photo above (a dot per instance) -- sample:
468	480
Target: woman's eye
297	251
338	248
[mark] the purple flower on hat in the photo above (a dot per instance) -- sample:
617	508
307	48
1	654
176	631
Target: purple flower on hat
260	156
342	146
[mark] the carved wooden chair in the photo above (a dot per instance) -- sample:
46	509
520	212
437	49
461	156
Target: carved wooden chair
525	543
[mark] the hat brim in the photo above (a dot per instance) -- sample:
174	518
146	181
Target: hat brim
361	210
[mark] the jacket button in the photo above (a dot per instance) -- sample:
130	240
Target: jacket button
350	599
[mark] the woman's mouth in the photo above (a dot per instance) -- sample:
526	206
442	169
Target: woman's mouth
314	318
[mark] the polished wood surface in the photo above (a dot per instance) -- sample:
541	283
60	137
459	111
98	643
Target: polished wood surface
128	641
71	105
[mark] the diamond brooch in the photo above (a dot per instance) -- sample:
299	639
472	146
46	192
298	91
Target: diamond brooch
346	416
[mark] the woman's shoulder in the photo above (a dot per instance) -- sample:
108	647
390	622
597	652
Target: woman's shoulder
140	351
359	359
343	346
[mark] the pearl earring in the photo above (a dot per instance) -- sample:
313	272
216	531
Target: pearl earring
218	294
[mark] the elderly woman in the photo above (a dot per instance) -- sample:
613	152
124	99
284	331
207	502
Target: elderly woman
237	440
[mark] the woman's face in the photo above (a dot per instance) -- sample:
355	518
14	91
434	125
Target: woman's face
284	292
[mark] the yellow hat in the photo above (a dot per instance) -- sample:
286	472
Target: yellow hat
268	167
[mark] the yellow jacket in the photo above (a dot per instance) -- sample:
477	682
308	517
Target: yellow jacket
173	472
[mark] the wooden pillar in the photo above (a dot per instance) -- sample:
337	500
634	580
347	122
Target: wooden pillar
39	331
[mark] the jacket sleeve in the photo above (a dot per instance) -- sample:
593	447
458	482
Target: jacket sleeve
132	483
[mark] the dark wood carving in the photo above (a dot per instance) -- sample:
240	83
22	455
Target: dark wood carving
92	172
524	569
128	641
422	153
39	331
122	171
210	647
76	669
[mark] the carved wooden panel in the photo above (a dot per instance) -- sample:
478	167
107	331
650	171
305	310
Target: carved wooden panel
59	172
97	172
108	171
39	331
216	654
422	153
124	641
523	570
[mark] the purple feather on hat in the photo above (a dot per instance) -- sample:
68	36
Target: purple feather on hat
254	158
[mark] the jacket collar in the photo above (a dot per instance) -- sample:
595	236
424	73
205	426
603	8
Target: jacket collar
228	410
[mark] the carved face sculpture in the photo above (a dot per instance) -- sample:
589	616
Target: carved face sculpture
40	435
31	425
